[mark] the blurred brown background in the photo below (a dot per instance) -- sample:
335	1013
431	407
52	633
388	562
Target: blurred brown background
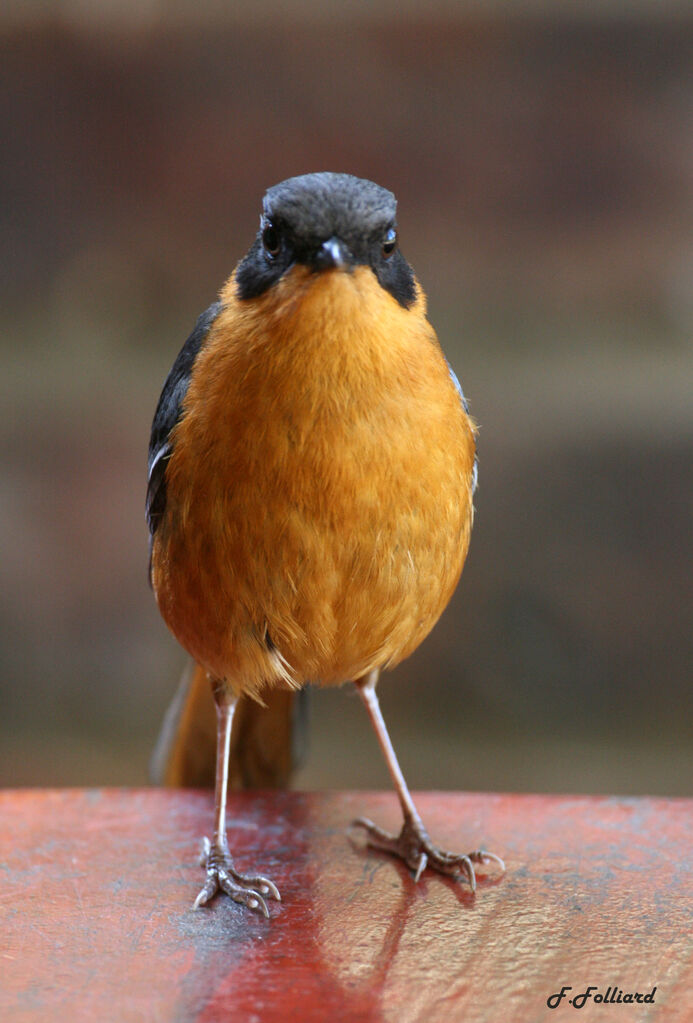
543	162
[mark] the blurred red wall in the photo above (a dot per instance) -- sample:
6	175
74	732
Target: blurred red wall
544	169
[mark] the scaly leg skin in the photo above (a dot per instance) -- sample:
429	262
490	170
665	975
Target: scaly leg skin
416	849
413	844
223	876
216	858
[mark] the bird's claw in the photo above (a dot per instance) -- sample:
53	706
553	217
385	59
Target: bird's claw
222	876
414	846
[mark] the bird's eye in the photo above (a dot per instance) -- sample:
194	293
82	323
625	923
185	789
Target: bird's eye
270	239
389	242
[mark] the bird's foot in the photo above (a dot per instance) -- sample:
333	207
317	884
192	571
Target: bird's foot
222	876
414	846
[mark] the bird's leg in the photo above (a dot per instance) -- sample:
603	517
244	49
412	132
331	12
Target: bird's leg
412	844
216	858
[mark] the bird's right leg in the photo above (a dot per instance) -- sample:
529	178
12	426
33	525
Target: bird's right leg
412	844
216	858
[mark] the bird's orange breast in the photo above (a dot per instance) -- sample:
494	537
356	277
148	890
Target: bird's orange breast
319	492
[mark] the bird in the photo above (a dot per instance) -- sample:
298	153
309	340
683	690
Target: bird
312	468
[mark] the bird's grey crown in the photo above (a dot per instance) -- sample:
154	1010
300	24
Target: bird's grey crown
316	207
301	214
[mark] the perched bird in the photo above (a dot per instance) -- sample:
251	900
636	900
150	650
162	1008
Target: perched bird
311	471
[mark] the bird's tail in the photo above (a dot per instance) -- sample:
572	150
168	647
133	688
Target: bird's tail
267	742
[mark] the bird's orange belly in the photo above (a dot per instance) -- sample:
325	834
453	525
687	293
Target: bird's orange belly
322	533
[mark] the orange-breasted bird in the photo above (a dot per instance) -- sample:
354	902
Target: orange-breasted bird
311	473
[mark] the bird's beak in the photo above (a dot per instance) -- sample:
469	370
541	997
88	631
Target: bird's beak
333	253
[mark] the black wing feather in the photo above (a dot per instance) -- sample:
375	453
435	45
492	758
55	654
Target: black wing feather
465	406
168	412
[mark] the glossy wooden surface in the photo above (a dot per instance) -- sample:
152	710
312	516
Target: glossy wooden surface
97	887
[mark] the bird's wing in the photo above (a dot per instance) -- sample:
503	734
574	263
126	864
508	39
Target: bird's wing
167	414
465	406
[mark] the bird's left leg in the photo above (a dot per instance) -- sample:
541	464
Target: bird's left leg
413	844
216	858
